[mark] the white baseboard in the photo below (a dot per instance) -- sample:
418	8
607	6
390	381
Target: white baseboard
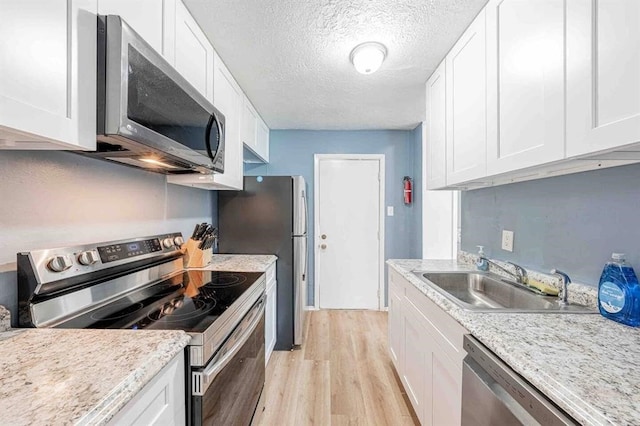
310	308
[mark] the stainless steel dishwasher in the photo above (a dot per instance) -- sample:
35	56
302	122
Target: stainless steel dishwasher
495	395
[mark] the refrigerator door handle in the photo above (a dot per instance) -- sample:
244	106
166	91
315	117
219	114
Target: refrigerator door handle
306	216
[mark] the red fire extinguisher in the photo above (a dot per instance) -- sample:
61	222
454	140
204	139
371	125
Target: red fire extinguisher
407	185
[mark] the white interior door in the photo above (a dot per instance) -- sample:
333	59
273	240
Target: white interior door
348	230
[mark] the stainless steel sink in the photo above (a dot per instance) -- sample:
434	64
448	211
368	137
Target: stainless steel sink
483	292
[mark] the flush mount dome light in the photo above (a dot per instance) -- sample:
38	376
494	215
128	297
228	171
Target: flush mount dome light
367	57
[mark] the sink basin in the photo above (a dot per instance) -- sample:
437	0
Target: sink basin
483	292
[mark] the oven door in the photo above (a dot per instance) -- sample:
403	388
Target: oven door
227	390
142	98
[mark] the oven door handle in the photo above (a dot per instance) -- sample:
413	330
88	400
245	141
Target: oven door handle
201	380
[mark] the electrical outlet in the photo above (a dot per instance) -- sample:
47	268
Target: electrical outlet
389	210
507	240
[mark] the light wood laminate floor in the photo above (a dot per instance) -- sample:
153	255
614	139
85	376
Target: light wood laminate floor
342	375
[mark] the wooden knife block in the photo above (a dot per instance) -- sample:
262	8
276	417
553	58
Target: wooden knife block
194	257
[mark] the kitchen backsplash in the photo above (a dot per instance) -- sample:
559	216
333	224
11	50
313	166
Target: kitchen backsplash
53	199
572	223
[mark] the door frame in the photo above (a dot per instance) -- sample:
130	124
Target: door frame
316	223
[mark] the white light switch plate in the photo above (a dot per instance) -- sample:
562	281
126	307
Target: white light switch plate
389	210
507	240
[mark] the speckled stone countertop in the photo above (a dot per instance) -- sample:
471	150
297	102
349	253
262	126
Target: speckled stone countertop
56	376
241	262
585	363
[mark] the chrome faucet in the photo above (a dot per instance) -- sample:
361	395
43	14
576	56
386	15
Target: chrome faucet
564	278
520	276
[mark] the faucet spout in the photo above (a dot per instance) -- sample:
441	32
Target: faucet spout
564	278
519	276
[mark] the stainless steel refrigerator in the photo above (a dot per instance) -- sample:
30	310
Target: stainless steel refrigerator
270	217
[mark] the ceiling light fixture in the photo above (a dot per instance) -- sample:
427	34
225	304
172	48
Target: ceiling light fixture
367	57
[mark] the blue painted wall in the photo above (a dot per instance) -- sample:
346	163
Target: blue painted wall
292	152
572	222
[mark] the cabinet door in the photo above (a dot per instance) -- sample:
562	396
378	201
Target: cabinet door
603	75
270	324
414	363
48	74
249	123
153	20
446	389
228	99
193	52
525	81
466	105
160	402
395	329
262	140
435	160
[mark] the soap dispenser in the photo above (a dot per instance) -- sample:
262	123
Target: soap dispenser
481	263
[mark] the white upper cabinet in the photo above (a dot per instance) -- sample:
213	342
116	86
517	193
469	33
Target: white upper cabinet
525	82
466	105
48	74
228	99
255	135
193	52
153	20
249	123
603	75
262	140
435	130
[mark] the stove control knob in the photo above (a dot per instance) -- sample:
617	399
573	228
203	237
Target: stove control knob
88	258
178	241
59	263
167	242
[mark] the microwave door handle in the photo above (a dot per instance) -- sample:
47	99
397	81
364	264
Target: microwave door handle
207	137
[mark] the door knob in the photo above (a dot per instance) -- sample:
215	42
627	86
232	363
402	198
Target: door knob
323	236
323	246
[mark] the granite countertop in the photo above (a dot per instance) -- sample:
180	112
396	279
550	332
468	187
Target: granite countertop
58	376
241	262
585	363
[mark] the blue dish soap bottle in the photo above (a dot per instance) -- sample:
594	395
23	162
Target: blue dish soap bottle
619	292
481	263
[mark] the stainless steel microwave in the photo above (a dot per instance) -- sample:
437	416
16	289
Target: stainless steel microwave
148	115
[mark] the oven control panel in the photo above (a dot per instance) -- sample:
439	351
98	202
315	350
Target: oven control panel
127	250
61	263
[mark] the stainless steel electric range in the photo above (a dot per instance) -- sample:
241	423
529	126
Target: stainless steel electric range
140	284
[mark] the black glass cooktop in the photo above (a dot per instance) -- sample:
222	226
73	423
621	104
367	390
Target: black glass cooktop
190	301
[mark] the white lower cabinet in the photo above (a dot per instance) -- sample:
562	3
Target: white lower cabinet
271	310
395	326
160	402
425	344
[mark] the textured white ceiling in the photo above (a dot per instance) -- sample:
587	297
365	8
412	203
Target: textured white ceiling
291	57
